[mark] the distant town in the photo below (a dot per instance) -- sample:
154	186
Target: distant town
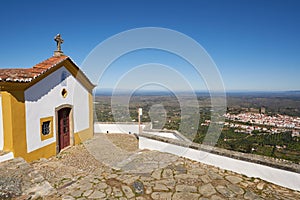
250	122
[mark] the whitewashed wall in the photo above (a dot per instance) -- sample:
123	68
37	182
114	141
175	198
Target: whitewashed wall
42	98
116	128
278	176
1	125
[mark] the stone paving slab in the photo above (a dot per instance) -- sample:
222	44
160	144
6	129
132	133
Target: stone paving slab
76	174
108	153
105	151
19	179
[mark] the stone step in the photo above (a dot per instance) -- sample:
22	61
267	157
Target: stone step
5	155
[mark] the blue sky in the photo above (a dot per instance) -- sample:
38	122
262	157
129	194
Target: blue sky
255	44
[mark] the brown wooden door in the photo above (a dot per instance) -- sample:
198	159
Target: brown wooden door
64	127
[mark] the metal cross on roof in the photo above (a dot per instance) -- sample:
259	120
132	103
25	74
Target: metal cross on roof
58	41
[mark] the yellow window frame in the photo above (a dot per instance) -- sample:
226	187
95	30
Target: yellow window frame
50	135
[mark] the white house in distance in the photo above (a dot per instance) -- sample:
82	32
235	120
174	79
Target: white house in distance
46	108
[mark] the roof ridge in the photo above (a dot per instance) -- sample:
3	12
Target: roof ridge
29	74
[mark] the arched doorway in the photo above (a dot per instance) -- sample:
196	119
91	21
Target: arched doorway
64	127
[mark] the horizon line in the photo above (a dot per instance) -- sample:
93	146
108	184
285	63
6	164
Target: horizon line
195	91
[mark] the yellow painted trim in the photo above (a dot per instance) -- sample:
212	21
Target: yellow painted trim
43	152
7	122
50	135
82	135
91	112
14	122
19	123
7	86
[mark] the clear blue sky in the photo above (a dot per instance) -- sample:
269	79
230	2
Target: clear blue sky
255	44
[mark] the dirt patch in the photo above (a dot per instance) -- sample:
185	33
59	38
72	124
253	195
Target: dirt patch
114	182
126	142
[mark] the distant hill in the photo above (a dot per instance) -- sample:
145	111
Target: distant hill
109	92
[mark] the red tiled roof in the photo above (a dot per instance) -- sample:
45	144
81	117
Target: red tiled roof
29	74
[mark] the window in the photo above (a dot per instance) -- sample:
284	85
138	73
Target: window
46	128
64	93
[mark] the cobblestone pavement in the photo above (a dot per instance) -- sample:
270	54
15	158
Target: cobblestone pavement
134	174
18	178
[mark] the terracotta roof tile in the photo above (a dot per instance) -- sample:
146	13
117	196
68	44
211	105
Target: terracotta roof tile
28	74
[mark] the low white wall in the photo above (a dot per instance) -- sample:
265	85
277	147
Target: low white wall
6	157
163	134
277	176
117	128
